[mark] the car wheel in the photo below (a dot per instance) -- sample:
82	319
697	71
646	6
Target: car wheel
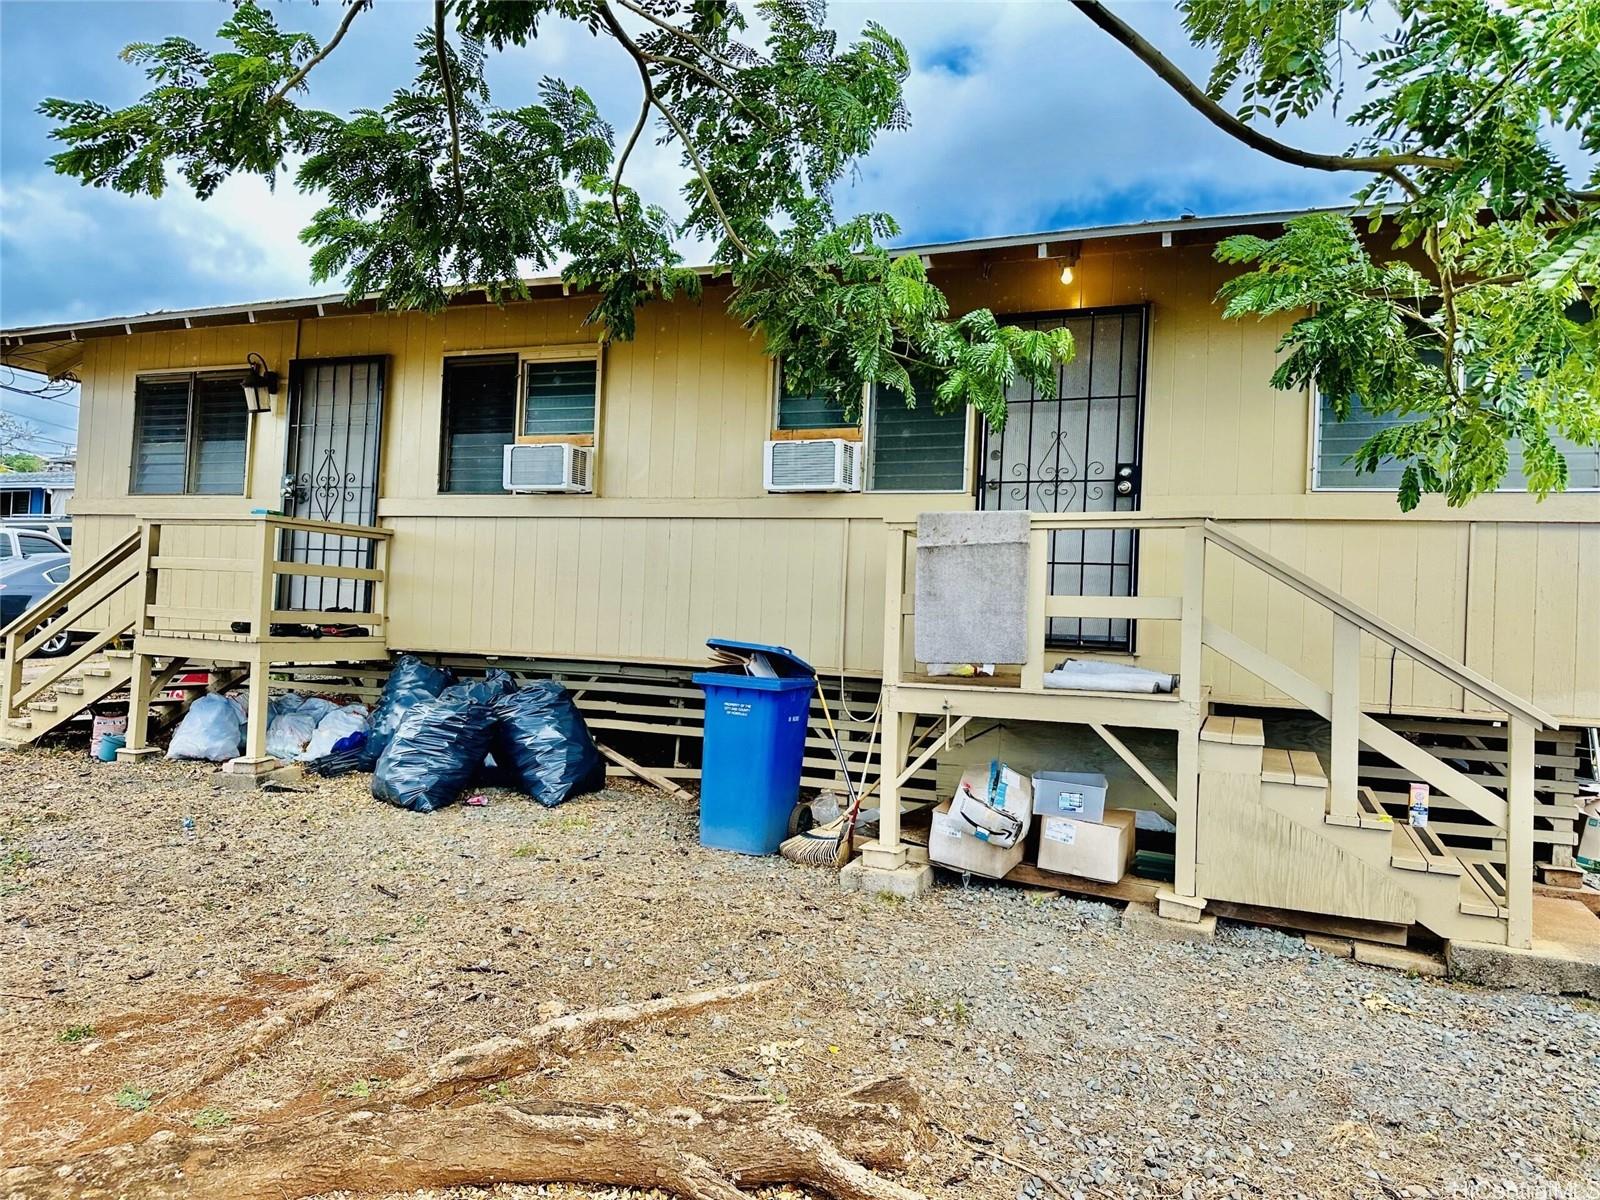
56	646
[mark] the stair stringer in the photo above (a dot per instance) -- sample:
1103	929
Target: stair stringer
98	679
1436	899
1249	853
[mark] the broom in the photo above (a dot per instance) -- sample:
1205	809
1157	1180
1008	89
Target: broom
829	845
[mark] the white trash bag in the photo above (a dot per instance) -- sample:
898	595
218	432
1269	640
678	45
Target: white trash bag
211	730
334	727
288	734
315	707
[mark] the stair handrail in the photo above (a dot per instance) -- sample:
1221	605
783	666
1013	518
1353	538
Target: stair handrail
13	692
1457	672
74	587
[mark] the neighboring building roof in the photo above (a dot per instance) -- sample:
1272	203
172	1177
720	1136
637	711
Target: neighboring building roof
50	481
53	349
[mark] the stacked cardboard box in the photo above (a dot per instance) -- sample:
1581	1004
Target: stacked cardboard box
1079	836
982	830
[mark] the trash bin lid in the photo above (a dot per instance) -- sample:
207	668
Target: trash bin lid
784	661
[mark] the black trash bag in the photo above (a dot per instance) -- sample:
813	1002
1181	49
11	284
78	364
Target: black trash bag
435	754
482	691
410	682
543	745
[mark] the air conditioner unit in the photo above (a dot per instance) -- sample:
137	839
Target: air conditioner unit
814	465
547	467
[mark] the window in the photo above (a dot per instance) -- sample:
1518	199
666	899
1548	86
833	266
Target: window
14	503
492	399
480	417
58	575
915	449
558	398
1338	440
30	545
190	434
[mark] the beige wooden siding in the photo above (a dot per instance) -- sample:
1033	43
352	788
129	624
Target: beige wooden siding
682	543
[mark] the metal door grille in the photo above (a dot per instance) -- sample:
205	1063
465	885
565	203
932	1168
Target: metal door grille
331	474
1069	454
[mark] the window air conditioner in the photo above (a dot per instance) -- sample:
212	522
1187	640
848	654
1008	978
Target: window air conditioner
814	465
547	467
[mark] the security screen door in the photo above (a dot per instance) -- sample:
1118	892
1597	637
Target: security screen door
1072	453
331	474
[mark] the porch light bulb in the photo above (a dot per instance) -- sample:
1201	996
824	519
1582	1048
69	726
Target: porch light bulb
1066	273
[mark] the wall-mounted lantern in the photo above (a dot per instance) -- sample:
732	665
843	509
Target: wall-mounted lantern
260	386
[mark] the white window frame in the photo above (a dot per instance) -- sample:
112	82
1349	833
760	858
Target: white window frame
241	369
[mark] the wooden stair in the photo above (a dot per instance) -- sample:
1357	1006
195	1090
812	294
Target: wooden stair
1359	865
95	681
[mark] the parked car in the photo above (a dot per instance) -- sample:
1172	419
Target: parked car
28	542
26	580
57	526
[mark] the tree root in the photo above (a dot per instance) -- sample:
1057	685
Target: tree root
831	1146
470	1067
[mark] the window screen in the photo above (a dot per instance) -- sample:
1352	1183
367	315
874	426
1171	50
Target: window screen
161	435
815	411
189	436
220	425
558	397
1338	440
915	449
480	417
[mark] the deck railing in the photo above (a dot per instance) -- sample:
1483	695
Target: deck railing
177	564
1511	817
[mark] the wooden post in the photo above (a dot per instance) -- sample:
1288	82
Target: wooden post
1038	594
894	590
378	592
13	675
255	733
266	588
1345	754
887	853
136	743
1519	834
1186	852
1190	658
146	590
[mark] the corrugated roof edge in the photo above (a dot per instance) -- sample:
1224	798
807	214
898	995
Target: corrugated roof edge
70	330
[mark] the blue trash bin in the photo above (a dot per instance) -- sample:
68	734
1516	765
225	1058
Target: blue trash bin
755	736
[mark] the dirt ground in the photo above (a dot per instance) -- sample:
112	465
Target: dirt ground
1118	1065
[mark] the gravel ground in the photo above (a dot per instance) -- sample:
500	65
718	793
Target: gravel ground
1119	1065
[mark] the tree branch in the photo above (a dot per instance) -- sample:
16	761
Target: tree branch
449	97
641	61
299	76
1196	98
698	43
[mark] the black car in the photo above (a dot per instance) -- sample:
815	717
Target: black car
26	581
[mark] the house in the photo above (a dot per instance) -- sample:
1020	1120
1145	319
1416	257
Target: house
35	493
1189	518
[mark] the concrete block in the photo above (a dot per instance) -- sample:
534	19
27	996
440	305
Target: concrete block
1534	970
1180	908
1336	946
1560	876
1398	958
907	882
1144	920
126	755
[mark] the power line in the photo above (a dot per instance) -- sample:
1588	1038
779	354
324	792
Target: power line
38	396
72	429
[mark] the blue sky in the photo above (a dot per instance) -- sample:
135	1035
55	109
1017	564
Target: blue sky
1024	117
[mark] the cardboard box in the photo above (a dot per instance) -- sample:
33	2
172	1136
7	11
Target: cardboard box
951	844
1089	849
954	843
1080	795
